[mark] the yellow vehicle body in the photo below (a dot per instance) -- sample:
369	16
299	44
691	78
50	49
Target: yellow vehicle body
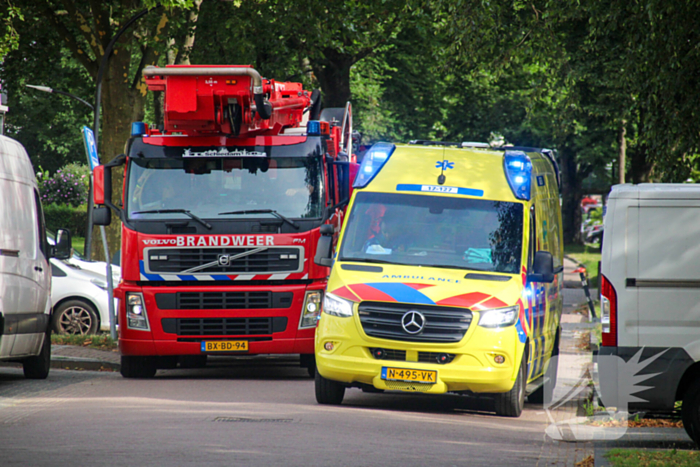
456	354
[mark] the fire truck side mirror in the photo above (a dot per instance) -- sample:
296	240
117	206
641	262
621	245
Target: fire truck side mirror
324	248
98	188
101	216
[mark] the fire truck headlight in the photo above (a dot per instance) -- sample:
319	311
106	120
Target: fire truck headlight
312	309
499	317
136	317
336	306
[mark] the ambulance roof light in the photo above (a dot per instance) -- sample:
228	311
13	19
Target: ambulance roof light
372	163
518	168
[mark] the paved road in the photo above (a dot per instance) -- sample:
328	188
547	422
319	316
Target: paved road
264	413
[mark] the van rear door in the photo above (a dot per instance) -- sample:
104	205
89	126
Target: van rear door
668	281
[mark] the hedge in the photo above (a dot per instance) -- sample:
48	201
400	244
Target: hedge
61	216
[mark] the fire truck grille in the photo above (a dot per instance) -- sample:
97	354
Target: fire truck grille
441	324
248	260
223	300
223	326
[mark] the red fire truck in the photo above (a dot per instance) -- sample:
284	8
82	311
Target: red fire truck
222	210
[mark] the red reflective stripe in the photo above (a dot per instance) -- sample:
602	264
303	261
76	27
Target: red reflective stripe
419	286
366	292
465	300
493	302
261	277
345	292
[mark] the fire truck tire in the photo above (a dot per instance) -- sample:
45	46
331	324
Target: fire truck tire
138	367
308	361
38	367
511	403
328	392
690	411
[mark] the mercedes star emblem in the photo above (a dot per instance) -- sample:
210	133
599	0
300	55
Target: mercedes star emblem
412	322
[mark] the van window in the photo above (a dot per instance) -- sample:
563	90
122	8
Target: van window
434	231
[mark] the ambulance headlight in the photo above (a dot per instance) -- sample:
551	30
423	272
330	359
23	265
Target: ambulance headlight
499	317
336	306
136	317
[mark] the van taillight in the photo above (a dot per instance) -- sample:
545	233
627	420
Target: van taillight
608	317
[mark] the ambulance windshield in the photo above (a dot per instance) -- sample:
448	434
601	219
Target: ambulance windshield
436	231
206	187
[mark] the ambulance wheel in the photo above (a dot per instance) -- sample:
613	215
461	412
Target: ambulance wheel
38	367
691	411
328	392
511	403
138	367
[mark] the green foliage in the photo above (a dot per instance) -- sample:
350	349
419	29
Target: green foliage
94	341
62	216
66	187
641	457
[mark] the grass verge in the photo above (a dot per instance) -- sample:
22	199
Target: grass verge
78	244
635	458
589	256
94	341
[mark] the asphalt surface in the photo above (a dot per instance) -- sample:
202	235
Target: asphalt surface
262	411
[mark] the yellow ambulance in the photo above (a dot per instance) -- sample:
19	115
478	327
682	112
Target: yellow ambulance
447	275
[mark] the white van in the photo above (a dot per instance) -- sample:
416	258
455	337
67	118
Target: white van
650	298
25	273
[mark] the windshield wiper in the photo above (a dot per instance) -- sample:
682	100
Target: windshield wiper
179	211
264	211
447	266
370	260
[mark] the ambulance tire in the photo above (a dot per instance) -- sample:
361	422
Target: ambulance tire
328	392
511	403
690	411
138	367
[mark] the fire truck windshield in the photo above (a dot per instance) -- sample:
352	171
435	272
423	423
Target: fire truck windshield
292	186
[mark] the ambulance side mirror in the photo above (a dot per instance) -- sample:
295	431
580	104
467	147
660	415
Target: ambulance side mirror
324	248
542	268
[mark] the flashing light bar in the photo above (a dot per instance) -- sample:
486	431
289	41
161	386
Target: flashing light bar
372	163
518	168
318	128
138	129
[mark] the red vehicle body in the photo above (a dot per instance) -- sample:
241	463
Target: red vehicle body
221	214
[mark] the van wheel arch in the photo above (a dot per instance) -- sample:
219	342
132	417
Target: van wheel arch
692	374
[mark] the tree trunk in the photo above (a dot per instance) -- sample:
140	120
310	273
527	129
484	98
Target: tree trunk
571	197
622	151
333	73
121	104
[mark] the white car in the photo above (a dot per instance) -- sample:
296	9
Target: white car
79	294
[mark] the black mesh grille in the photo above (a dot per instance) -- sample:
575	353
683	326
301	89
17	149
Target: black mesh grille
223	300
223	326
269	260
434	357
442	324
390	354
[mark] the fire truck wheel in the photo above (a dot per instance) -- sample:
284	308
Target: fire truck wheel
690	411
308	361
138	367
328	392
75	317
38	367
511	403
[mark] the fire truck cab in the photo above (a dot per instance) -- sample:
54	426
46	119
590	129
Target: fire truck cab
220	213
